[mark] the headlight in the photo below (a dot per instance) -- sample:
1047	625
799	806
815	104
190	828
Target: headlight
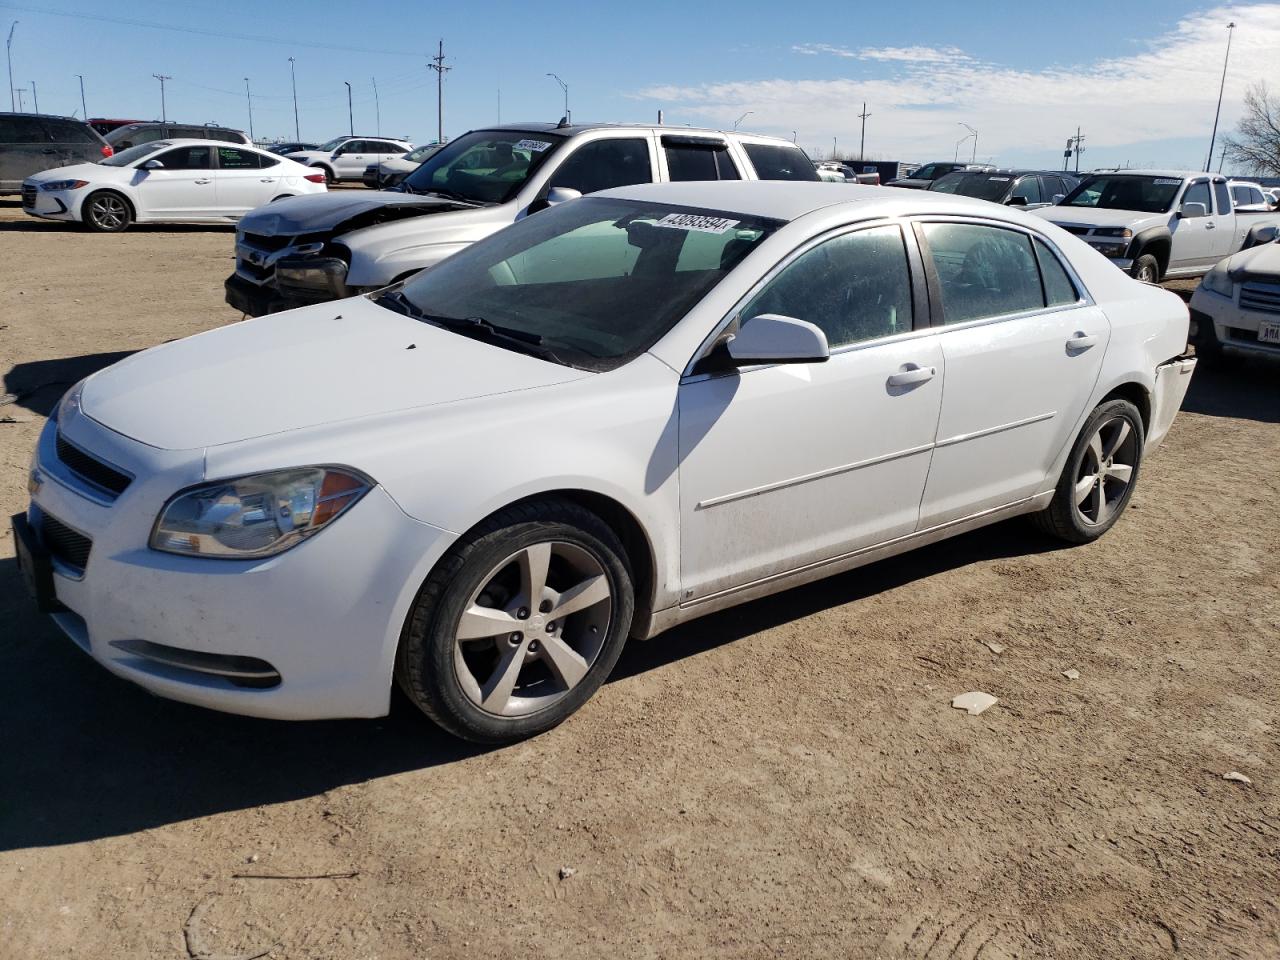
1124	232
1218	281
64	184
259	515
70	403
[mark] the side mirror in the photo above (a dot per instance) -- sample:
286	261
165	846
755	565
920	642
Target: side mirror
1059	197
153	165
773	338
1193	211
1017	201
562	195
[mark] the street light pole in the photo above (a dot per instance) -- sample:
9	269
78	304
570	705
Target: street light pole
741	118
565	87
1208	163
972	133
82	106
249	99
293	77
377	107
35	96
351	117
164	114
8	56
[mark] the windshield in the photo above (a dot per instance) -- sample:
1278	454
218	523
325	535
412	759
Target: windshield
421	153
593	283
485	166
332	145
928	172
126	157
1127	192
984	186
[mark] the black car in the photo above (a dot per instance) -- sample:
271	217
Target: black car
284	149
922	177
135	133
1015	188
31	142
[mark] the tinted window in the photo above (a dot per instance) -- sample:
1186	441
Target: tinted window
22	130
1053	187
855	287
486	166
381	146
1199	193
1028	187
187	158
1058	288
983	271
1125	192
213	133
692	162
1223	196
147	134
230	158
777	162
68	131
267	160
604	164
984	186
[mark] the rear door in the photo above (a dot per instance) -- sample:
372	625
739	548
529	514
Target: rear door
183	189
25	149
242	183
352	160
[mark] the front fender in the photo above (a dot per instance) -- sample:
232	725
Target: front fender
1145	238
378	270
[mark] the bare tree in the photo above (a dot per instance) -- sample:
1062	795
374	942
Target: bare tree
1256	144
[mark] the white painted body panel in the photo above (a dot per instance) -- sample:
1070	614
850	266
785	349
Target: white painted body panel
1238	319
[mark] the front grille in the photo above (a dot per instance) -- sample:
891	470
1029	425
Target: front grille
269	244
28	196
91	469
65	544
1078	231
1262	297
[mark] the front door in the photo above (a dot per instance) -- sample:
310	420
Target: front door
183	188
350	163
1022	359
1194	238
788	465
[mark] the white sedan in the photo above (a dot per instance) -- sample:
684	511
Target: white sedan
616	415
165	181
1237	305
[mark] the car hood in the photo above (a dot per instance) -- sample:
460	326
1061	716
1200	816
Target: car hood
910	183
75	171
1256	263
319	365
1093	217
325	211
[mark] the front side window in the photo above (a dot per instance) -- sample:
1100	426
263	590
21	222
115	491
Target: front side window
331	145
1125	192
982	186
1028	188
983	271
854	287
1199	193
187	158
774	161
485	166
604	164
591	283
229	158
928	172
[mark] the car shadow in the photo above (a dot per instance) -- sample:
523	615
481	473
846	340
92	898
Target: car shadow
38	385
1240	387
87	755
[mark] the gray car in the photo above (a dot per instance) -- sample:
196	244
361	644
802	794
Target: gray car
31	142
122	138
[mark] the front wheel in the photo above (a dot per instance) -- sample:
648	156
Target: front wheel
1099	477
1147	269
519	624
106	212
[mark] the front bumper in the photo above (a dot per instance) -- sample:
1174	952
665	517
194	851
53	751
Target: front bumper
1236	328
250	299
308	634
51	205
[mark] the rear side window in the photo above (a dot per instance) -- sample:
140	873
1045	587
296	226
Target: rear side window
604	164
1028	188
230	158
68	131
776	162
1223	196
983	271
687	162
1059	291
22	130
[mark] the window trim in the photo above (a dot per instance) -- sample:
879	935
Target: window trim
935	288
920	298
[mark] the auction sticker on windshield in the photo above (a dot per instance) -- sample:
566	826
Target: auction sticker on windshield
693	221
1166	182
537	146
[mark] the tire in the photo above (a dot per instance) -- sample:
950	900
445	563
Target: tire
1146	268
1076	514
327	171
458	682
106	211
283	196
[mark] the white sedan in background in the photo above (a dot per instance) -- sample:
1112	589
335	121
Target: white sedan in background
1237	305
614	416
166	181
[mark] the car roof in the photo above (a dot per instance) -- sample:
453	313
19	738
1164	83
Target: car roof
1180	174
176	123
41	116
791	199
575	128
199	142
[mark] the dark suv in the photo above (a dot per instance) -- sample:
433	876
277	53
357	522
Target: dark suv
135	133
921	177
31	142
1015	188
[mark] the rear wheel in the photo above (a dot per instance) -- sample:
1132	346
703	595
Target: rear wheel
519	624
1099	477
106	212
327	171
1147	269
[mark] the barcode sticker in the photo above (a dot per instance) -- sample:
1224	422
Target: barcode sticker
695	222
536	146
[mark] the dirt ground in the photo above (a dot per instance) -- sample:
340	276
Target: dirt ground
786	779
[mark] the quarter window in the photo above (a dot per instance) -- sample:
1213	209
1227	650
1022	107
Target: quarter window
854	287
604	164
983	271
1059	291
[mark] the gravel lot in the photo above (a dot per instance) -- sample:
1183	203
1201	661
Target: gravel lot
786	779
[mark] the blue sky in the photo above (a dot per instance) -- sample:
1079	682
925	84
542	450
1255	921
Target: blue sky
1140	77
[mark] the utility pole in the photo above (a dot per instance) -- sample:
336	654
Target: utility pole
8	56
437	64
833	148
351	117
862	148
35	96
164	115
377	107
249	99
972	133
565	87
21	91
293	76
1208	163
1222	160
1080	138
82	106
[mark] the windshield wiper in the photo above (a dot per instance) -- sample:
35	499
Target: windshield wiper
477	327
450	195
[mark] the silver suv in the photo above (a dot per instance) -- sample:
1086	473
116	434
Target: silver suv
323	247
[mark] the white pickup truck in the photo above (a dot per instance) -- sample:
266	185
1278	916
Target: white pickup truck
1157	224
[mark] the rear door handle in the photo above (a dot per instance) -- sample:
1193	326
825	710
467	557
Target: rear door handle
268	179
1081	341
912	373
201	182
1211	225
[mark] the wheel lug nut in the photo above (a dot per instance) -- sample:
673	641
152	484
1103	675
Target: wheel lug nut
544	606
515	637
551	627
522	613
533	647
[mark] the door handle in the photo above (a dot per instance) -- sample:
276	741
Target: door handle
201	182
1081	341
268	180
48	151
1211	225
912	373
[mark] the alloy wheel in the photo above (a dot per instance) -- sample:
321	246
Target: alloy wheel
1106	471
108	212
532	630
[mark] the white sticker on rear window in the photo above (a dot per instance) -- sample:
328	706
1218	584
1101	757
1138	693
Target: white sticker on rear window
1000	179
692	221
537	146
1166	182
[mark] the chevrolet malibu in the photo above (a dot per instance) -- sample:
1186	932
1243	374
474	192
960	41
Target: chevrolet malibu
625	412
